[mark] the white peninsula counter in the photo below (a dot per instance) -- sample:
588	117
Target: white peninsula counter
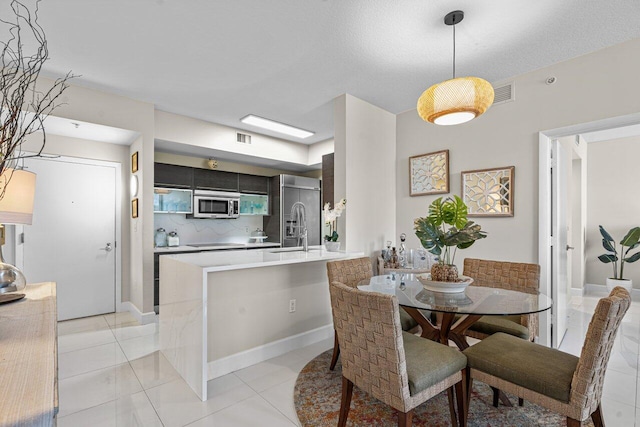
224	311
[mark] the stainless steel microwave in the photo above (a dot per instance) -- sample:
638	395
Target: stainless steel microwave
215	204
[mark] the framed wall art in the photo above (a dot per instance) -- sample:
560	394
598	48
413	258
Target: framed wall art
134	208
134	162
489	192
429	173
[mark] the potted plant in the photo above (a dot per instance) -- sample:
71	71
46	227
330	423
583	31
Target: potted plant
331	216
619	256
443	241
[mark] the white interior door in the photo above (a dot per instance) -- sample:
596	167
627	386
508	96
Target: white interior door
560	179
72	238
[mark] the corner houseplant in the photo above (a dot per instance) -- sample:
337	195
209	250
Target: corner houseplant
443	241
618	256
331	219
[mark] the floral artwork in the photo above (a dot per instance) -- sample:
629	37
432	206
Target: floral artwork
429	173
331	219
489	192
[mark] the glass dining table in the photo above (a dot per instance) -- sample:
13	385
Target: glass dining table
454	312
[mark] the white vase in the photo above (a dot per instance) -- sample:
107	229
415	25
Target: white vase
332	246
625	283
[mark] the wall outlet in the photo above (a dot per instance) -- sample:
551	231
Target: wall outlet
292	306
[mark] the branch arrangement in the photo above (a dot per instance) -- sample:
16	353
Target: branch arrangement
23	108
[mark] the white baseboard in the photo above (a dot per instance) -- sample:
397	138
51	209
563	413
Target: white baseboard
601	290
142	318
577	292
246	358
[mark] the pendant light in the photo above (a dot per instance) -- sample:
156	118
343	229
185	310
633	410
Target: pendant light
457	100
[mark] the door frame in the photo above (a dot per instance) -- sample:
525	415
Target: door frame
544	200
19	249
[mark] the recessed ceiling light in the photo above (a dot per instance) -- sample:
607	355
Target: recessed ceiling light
275	126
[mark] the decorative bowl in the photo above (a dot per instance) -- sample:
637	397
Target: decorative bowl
444	287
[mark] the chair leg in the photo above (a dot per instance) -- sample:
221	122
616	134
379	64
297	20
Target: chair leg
452	409
461	398
469	389
496	396
336	351
520	401
345	404
573	423
405	419
596	417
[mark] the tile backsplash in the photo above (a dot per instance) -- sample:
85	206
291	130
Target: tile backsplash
191	230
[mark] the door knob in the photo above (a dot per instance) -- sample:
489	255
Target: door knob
570	247
107	248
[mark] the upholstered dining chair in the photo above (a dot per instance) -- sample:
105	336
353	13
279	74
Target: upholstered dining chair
350	272
396	367
555	380
505	275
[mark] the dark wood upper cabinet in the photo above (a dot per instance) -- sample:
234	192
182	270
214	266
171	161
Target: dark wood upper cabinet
173	176
253	184
205	179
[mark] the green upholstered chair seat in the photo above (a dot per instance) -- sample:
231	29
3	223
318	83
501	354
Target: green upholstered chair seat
406	322
508	324
548	371
429	362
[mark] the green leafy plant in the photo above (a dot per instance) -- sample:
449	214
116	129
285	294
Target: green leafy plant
441	240
618	255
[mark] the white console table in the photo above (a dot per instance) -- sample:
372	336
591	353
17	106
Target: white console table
28	358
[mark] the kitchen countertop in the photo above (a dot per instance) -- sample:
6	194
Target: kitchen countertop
217	246
237	260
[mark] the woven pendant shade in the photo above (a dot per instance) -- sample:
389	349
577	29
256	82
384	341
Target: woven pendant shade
455	101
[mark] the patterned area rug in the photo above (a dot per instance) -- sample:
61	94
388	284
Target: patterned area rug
318	391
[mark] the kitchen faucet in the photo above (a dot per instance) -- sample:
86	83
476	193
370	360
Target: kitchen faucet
299	216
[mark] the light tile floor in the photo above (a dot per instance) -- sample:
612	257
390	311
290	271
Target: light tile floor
112	374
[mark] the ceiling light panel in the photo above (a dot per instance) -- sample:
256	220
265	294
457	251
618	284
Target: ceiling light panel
275	126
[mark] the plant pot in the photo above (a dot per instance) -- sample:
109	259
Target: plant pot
332	246
444	273
625	283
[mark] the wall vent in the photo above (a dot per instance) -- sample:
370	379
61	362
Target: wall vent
504	93
243	138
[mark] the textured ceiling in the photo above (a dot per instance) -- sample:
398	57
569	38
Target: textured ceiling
220	60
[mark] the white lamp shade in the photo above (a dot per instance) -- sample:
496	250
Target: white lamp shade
19	188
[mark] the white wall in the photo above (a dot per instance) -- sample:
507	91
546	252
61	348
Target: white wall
613	202
185	130
319	149
365	173
588	88
93	106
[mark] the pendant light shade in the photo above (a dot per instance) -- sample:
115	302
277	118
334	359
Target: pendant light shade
457	100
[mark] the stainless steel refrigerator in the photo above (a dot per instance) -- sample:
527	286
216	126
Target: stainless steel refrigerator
285	191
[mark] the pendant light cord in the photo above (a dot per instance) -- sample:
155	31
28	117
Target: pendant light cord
454	49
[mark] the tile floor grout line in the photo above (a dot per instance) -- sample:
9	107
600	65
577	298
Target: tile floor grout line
94	370
86	409
153	406
285	415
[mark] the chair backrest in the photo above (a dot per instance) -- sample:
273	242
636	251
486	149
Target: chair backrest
350	271
515	276
586	385
371	346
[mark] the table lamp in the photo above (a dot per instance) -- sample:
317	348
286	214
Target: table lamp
17	192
